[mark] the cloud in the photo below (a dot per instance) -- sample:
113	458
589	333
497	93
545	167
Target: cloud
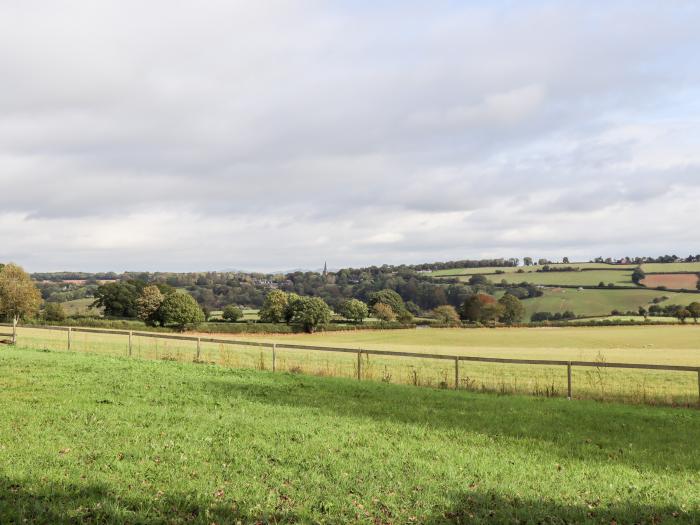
280	134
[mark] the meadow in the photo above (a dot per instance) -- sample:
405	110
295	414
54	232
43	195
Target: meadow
590	302
588	278
669	345
671	267
95	439
530	269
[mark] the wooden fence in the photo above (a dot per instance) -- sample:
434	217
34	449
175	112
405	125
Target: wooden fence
456	359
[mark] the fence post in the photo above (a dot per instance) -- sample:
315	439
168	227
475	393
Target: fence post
130	345
456	373
70	337
199	347
698	386
274	356
359	365
14	329
568	378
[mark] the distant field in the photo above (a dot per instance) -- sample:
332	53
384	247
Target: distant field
678	281
91	439
588	278
80	307
601	302
529	269
671	267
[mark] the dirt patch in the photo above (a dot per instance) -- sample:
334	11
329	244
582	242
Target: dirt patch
672	281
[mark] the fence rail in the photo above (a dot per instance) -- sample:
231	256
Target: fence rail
367	352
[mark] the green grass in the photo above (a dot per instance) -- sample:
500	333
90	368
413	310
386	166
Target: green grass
601	302
671	267
672	345
81	307
527	269
93	439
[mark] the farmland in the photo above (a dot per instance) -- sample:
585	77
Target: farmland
600	302
129	441
530	269
674	281
671	267
670	345
587	278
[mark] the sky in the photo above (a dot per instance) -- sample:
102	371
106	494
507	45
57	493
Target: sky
219	134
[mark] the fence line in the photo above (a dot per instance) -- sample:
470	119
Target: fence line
388	353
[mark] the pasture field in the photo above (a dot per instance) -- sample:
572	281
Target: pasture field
530	269
601	302
670	345
591	278
671	267
677	281
95	439
80	307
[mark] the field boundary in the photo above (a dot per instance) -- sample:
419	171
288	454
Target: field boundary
367	352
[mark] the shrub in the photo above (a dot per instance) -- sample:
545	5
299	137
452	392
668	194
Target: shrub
54	312
232	313
180	310
446	314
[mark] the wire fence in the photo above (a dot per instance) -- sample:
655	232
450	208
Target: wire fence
627	382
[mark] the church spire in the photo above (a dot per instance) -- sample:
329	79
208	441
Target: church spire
325	268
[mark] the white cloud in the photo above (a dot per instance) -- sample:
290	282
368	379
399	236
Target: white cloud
280	134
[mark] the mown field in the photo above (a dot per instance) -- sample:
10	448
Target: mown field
601	302
671	267
95	439
671	345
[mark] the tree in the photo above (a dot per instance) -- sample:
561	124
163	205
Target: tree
527	261
565	260
293	304
119	299
312	312
19	296
477	280
383	312
491	312
148	305
353	310
180	310
388	297
54	312
274	307
232	313
446	314
694	309
643	312
638	275
473	305
513	309
682	314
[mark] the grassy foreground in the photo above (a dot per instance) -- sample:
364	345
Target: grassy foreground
96	439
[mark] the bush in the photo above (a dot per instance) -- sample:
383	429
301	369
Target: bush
232	313
383	312
54	312
446	315
180	310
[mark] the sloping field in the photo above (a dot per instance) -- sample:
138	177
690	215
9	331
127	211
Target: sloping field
671	267
678	281
529	269
601	302
588	278
93	439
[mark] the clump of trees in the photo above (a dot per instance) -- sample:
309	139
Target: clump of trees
539	317
309	312
19	296
394	302
484	308
54	312
638	275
